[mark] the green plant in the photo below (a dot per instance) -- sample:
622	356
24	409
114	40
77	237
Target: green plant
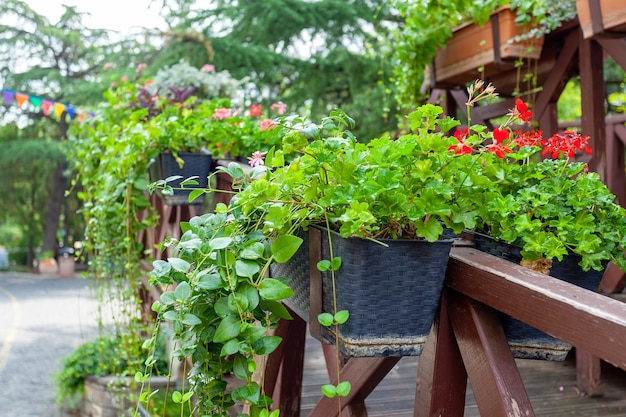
234	132
532	193
103	356
222	305
429	25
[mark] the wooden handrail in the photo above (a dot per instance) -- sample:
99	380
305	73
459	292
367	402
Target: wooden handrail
583	318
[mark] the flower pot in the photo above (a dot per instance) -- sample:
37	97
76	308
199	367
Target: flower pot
391	293
601	17
111	396
489	47
195	164
526	341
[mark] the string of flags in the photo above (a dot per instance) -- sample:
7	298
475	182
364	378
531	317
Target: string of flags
48	107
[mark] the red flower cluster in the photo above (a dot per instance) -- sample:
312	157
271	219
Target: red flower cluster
565	143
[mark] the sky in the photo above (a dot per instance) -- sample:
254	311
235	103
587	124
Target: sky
120	15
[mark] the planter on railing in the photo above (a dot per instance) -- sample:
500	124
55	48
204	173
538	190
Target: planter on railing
391	292
526	341
195	164
488	48
602	17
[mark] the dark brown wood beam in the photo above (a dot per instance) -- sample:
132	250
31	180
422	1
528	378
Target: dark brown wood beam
549	304
591	63
554	83
496	382
441	375
364	375
616	48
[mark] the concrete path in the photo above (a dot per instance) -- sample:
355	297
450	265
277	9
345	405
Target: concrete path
42	319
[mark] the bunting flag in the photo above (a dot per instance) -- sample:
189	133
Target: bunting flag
48	107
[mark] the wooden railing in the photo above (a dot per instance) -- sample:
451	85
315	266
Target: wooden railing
466	341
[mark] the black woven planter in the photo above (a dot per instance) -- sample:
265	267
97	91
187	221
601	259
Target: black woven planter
392	293
196	164
526	341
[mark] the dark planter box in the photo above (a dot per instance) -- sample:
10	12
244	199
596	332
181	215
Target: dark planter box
392	293
196	164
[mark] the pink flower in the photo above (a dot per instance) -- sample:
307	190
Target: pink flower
208	68
141	67
267	124
256	160
279	107
124	78
221	113
108	66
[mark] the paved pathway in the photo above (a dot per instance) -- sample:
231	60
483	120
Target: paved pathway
42	319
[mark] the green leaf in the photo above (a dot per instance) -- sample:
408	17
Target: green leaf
266	345
273	289
182	291
191	319
160	268
228	329
276	308
220	242
253	251
231	347
249	392
179	265
170	315
335	263
329	390
325	319
284	247
210	281
177	397
168	298
323	265
240	367
342	316
343	389
195	194
247	269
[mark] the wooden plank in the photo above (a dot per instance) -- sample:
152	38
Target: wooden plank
588	373
613	280
282	377
591	65
553	85
583	318
364	375
616	48
491	368
441	376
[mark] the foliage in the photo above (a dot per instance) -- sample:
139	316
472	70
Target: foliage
28	164
103	356
222	305
204	83
550	207
429	24
312	55
61	61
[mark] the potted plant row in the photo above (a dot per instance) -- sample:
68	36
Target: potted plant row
227	266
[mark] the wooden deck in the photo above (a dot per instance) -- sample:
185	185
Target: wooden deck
551	387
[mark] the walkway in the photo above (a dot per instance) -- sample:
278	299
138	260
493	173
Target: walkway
42	319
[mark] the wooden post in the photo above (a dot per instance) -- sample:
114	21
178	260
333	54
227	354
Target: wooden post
591	64
441	375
